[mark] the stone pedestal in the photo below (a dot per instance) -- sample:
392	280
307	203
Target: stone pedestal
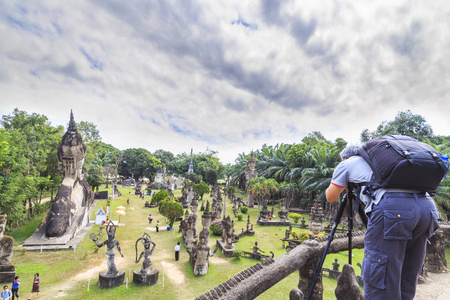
7	273
105	281
146	279
273	223
227	252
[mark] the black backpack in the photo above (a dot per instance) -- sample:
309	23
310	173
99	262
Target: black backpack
399	161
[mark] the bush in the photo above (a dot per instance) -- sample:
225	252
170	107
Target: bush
244	209
159	196
295	217
294	235
216	227
171	210
239	217
237	254
301	236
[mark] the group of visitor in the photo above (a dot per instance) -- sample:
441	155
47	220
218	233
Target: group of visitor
7	294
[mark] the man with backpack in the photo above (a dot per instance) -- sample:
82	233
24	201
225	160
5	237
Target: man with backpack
400	220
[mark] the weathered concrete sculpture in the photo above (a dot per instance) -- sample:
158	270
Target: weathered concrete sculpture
250	173
347	285
199	256
7	269
113	277
316	217
146	275
74	196
283	213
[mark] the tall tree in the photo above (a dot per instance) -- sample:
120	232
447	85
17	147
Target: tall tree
405	123
138	163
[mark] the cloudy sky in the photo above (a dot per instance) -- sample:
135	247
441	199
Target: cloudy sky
225	75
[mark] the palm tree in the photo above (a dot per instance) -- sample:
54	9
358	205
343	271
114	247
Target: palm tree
273	162
318	177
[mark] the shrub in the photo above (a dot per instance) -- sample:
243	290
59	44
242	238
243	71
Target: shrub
216	227
159	196
171	210
239	217
303	236
237	254
244	209
295	217
294	235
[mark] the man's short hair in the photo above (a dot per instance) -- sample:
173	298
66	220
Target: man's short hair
349	151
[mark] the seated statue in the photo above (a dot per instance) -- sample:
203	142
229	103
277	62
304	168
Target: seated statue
6	244
74	193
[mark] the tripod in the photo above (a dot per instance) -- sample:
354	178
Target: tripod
349	198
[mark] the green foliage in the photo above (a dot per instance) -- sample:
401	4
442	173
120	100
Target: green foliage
216	227
295	217
405	123
201	189
94	176
138	163
171	210
301	236
211	176
239	217
237	254
159	196
244	209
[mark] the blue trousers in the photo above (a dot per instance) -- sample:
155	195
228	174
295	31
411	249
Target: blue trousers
395	245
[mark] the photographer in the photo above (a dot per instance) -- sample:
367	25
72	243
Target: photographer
399	223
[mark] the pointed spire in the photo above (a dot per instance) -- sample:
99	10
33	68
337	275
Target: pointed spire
72	124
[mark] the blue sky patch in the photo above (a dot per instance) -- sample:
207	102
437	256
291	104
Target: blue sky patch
241	21
94	63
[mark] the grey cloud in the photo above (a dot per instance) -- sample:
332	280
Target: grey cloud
301	30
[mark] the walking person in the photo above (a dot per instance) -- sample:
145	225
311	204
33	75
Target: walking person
177	251
6	294
157	226
15	287
36	282
150	219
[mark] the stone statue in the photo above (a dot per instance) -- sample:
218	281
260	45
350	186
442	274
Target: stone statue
256	250
6	243
226	233
74	197
7	269
199	256
110	252
145	276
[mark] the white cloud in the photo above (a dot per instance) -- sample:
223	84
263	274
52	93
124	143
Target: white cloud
230	76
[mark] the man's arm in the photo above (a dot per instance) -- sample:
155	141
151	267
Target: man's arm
333	191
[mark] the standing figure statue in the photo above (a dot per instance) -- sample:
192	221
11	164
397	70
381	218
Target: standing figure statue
147	263
112	277
147	275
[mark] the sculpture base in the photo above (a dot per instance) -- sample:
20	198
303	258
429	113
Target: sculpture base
106	281
7	273
273	223
228	252
146	279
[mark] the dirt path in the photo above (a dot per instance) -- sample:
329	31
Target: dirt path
171	272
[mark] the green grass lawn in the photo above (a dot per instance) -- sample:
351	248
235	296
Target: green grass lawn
62	272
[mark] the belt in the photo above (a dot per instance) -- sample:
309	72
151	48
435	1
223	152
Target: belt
405	194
